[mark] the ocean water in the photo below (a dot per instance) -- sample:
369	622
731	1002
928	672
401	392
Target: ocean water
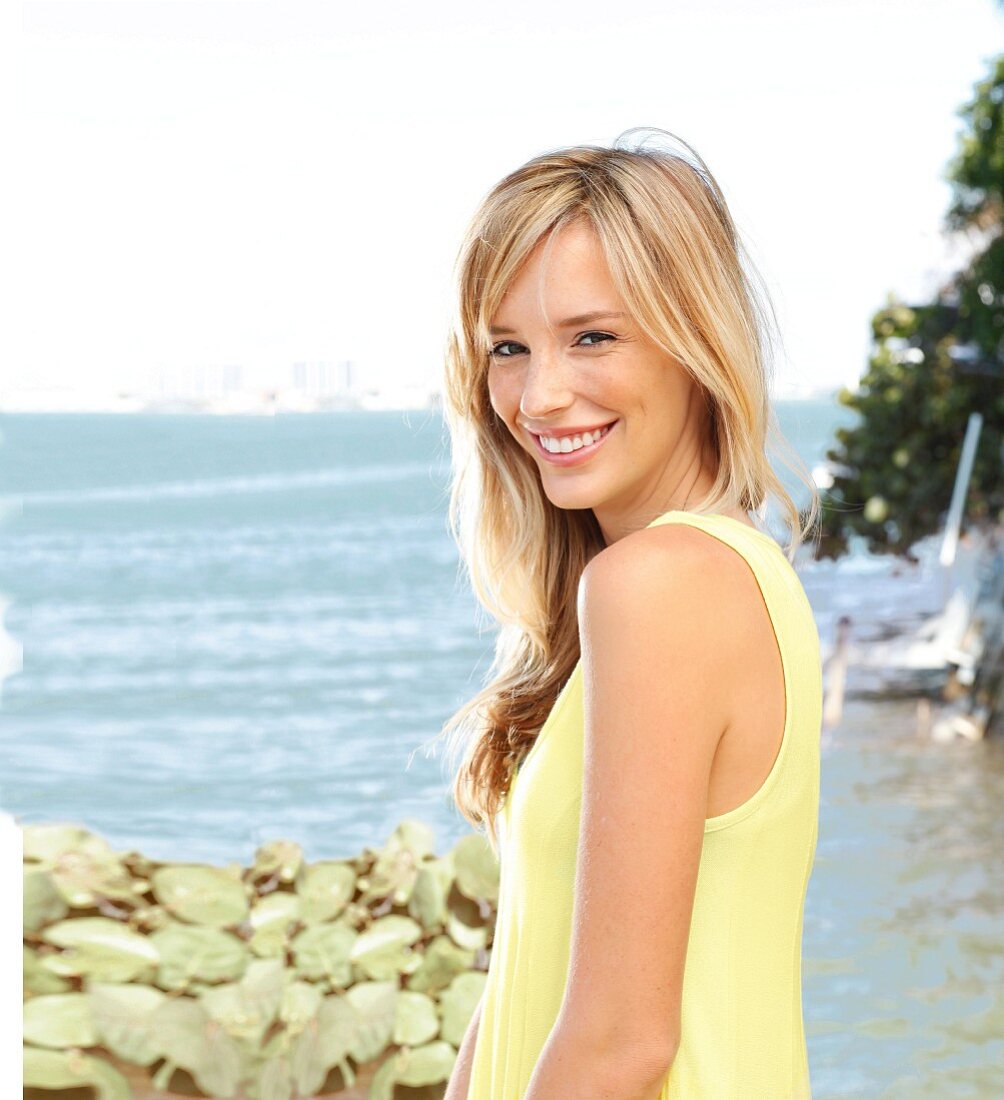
236	629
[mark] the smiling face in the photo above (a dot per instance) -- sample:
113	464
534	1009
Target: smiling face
566	356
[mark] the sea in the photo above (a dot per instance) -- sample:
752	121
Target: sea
224	630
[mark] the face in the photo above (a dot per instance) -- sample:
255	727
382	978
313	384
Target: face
566	357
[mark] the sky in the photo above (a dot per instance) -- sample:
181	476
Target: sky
202	182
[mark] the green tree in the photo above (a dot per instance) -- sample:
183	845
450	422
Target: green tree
931	366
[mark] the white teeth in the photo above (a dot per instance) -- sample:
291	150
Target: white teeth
571	442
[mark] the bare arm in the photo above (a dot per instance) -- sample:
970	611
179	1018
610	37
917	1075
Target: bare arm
661	636
460	1078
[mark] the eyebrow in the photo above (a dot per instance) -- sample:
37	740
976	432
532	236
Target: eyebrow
581	319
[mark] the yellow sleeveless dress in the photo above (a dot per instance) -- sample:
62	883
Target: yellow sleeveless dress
742	1033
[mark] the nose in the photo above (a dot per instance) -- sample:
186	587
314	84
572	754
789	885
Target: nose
546	388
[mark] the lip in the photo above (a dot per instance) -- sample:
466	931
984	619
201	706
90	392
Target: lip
555	432
573	458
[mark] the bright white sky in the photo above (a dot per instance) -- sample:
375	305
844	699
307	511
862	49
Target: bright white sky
204	182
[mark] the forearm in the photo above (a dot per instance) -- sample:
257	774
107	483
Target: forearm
460	1078
569	1066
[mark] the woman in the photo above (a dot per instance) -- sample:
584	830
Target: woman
646	756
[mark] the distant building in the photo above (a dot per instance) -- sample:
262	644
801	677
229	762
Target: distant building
345	375
321	379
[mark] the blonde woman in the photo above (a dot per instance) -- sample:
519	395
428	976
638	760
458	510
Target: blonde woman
645	758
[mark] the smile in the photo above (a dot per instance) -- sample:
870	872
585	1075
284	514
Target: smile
579	454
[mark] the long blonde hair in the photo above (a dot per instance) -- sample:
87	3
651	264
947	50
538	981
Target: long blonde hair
677	261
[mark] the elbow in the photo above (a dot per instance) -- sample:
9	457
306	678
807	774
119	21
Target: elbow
661	1057
636	1074
646	1062
655	1050
671	1047
626	1053
628	1065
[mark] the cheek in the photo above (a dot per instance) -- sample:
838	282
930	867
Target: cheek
504	396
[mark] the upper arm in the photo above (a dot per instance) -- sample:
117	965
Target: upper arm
657	640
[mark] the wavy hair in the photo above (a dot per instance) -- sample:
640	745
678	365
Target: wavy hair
676	258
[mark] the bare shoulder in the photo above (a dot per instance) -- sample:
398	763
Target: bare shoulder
679	569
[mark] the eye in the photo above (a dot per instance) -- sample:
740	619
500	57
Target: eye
496	353
604	335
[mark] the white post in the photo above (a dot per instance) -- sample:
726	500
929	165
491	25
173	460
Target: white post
953	521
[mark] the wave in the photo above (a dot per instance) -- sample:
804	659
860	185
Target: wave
227	486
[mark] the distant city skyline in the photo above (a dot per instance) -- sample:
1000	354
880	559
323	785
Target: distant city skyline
305	386
288	184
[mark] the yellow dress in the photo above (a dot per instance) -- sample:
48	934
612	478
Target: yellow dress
742	1033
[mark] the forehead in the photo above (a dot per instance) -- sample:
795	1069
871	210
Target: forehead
565	274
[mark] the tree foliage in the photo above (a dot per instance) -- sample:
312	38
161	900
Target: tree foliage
931	365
